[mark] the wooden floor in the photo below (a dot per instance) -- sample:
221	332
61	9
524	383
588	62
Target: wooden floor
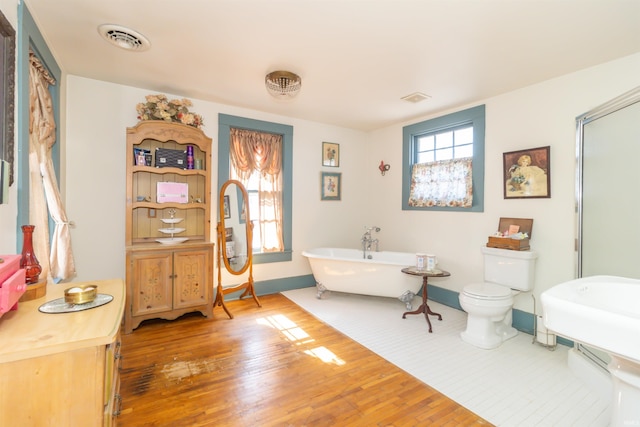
270	366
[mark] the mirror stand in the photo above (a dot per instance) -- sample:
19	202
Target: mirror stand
221	292
234	228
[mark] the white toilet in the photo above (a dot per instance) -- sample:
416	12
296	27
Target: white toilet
489	304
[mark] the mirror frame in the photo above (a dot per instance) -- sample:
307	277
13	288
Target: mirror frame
221	228
7	91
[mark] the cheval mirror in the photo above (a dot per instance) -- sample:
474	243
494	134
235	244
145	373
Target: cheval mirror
235	234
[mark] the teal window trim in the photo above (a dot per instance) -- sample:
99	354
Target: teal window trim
225	123
474	116
29	37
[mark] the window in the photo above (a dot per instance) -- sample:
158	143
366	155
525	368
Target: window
443	163
256	161
445	145
30	39
254	185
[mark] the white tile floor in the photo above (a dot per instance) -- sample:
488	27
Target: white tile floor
518	384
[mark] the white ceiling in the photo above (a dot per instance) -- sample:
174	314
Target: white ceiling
357	58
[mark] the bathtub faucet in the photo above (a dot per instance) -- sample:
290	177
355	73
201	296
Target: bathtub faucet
367	241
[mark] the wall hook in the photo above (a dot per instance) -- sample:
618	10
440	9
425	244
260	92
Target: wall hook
383	168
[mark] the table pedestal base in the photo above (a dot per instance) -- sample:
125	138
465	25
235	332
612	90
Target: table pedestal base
424	307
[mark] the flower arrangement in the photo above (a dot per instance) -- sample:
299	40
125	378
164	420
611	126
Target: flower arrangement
158	107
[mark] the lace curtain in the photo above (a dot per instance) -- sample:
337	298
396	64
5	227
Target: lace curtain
256	161
442	183
56	261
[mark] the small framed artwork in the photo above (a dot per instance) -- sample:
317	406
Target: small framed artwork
227	207
330	154
331	184
527	173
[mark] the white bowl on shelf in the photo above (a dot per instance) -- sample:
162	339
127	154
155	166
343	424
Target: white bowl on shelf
171	220
172	240
171	230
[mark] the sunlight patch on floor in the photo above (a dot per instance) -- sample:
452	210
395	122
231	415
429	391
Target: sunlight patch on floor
326	355
295	334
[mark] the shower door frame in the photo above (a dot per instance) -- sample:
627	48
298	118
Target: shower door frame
625	100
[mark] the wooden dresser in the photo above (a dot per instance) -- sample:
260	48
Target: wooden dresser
62	369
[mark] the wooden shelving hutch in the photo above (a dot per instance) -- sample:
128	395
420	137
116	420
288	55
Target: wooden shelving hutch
167	280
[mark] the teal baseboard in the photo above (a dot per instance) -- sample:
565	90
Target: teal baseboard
274	286
443	296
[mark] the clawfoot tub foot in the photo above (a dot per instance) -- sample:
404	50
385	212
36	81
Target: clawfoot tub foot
407	298
321	289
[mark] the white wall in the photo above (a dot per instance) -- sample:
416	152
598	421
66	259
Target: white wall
535	116
98	115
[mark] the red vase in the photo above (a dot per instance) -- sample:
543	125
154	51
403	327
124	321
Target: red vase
29	261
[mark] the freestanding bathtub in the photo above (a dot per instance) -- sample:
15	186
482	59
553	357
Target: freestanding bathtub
346	270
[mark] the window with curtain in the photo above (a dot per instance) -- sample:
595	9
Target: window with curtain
443	163
37	153
259	154
256	161
55	253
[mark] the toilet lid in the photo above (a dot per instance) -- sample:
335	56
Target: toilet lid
487	291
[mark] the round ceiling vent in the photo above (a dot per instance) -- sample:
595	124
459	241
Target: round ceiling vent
124	38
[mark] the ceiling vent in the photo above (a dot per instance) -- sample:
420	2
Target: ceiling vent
416	97
124	38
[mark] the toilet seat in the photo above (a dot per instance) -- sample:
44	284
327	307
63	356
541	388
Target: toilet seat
487	291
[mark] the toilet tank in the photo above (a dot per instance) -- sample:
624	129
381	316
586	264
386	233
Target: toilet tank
513	269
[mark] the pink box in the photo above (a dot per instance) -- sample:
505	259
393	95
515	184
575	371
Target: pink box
176	192
9	265
12	283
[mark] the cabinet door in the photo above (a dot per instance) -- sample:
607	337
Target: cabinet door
152	279
192	275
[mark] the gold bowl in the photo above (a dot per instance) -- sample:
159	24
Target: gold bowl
80	294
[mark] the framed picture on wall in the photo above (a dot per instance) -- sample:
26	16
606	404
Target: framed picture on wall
527	173
330	186
330	154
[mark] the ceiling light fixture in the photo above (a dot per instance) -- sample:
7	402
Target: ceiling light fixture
124	38
416	97
283	84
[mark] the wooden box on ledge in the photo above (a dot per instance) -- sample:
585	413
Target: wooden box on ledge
525	226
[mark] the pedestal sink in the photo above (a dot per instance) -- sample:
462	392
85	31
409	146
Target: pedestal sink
604	312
